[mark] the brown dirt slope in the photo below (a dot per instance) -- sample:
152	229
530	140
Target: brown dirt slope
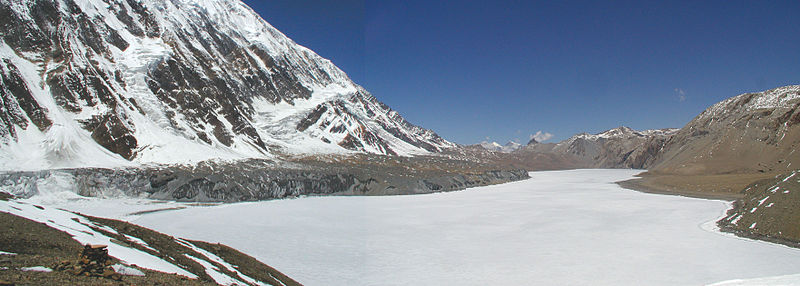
718	187
746	134
37	244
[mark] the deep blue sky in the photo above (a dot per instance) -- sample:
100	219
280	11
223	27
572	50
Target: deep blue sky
506	69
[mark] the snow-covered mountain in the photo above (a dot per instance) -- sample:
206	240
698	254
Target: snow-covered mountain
619	133
620	147
128	82
509	147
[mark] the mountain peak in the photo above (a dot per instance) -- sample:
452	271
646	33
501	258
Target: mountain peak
159	81
494	146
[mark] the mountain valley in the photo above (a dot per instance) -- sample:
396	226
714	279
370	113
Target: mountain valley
204	103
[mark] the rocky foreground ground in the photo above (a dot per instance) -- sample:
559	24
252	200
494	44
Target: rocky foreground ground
769	210
35	254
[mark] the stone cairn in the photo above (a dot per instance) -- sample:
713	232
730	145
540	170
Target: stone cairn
94	261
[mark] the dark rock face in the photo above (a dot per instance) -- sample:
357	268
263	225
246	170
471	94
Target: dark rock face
17	105
115	135
312	118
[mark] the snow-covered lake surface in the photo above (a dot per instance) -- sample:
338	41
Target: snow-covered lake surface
558	228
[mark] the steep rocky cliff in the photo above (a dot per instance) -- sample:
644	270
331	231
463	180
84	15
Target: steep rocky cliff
126	82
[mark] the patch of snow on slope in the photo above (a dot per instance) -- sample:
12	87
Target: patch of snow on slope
217	259
214	273
80	231
37	269
125	270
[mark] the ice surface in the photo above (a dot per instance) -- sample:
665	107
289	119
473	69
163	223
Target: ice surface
558	228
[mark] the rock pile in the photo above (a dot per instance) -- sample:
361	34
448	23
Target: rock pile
94	261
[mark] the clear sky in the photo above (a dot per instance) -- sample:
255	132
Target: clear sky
503	70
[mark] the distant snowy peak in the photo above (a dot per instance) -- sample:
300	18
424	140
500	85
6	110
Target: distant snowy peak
620	147
176	81
493	146
620	133
496	147
660	132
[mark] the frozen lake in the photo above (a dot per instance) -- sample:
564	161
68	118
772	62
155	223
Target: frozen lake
558	228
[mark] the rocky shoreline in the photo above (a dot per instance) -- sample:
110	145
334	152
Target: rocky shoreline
768	211
763	210
647	185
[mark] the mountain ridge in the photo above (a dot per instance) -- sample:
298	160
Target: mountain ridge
174	81
751	132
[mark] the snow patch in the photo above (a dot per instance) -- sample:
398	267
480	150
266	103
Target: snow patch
36	269
212	271
126	270
218	260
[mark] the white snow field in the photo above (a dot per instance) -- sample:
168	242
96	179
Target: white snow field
558	228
